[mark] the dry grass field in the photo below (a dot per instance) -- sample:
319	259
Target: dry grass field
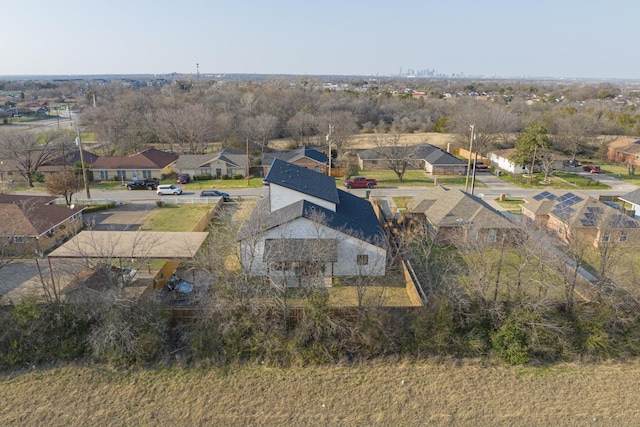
438	393
367	140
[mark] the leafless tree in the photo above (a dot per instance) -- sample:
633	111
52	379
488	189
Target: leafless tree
397	154
301	127
189	127
574	132
64	184
260	129
28	150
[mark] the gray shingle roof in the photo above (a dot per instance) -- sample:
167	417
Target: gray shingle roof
427	152
292	156
303	180
449	207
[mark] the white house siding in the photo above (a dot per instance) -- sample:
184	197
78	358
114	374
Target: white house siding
281	197
504	163
348	250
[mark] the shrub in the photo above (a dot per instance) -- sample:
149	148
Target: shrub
160	203
511	343
224	177
237	176
203	177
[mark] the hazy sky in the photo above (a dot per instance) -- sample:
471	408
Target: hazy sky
542	38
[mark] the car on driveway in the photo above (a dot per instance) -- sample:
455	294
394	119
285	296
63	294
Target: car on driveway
169	189
215	193
591	169
184	179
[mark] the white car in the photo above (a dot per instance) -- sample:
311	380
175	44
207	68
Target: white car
169	189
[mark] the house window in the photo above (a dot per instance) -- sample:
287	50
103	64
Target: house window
205	171
231	172
104	175
624	235
18	239
74	217
606	236
146	174
363	259
317	168
122	174
492	234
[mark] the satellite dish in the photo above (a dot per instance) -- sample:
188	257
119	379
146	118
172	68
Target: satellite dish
72	206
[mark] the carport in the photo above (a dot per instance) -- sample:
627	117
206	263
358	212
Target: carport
130	245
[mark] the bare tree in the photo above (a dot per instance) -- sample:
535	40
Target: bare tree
574	132
260	129
190	127
28	150
64	184
395	152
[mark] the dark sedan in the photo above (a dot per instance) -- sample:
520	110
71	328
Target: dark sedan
215	193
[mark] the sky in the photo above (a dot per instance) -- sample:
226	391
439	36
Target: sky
491	38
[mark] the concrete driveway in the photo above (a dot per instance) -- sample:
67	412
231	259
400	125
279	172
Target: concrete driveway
20	279
124	217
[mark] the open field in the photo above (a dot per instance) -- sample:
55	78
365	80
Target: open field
442	393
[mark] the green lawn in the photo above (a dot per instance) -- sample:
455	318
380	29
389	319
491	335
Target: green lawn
560	180
387	178
175	217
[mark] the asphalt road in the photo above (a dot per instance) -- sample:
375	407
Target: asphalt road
491	188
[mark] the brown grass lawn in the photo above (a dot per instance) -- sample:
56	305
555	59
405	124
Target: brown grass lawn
401	393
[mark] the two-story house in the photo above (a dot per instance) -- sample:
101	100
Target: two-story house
306	232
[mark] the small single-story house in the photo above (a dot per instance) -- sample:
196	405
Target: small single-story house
306	157
577	217
450	213
223	163
624	150
33	224
501	159
307	232
148	164
66	162
632	198
432	159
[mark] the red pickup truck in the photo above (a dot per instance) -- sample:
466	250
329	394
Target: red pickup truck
360	182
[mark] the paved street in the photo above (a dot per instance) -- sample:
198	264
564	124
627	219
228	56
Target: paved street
21	278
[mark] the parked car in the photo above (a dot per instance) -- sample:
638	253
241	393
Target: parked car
360	182
141	184
215	193
165	189
184	179
591	169
481	167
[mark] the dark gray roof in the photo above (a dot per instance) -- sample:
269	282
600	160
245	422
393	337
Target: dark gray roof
194	161
292	156
355	216
303	180
632	197
427	152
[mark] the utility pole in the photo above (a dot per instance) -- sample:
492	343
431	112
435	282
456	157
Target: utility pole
84	167
248	165
329	141
466	184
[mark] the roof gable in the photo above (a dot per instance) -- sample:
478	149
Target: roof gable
151	158
303	180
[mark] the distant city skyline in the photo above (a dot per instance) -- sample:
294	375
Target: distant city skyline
495	38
